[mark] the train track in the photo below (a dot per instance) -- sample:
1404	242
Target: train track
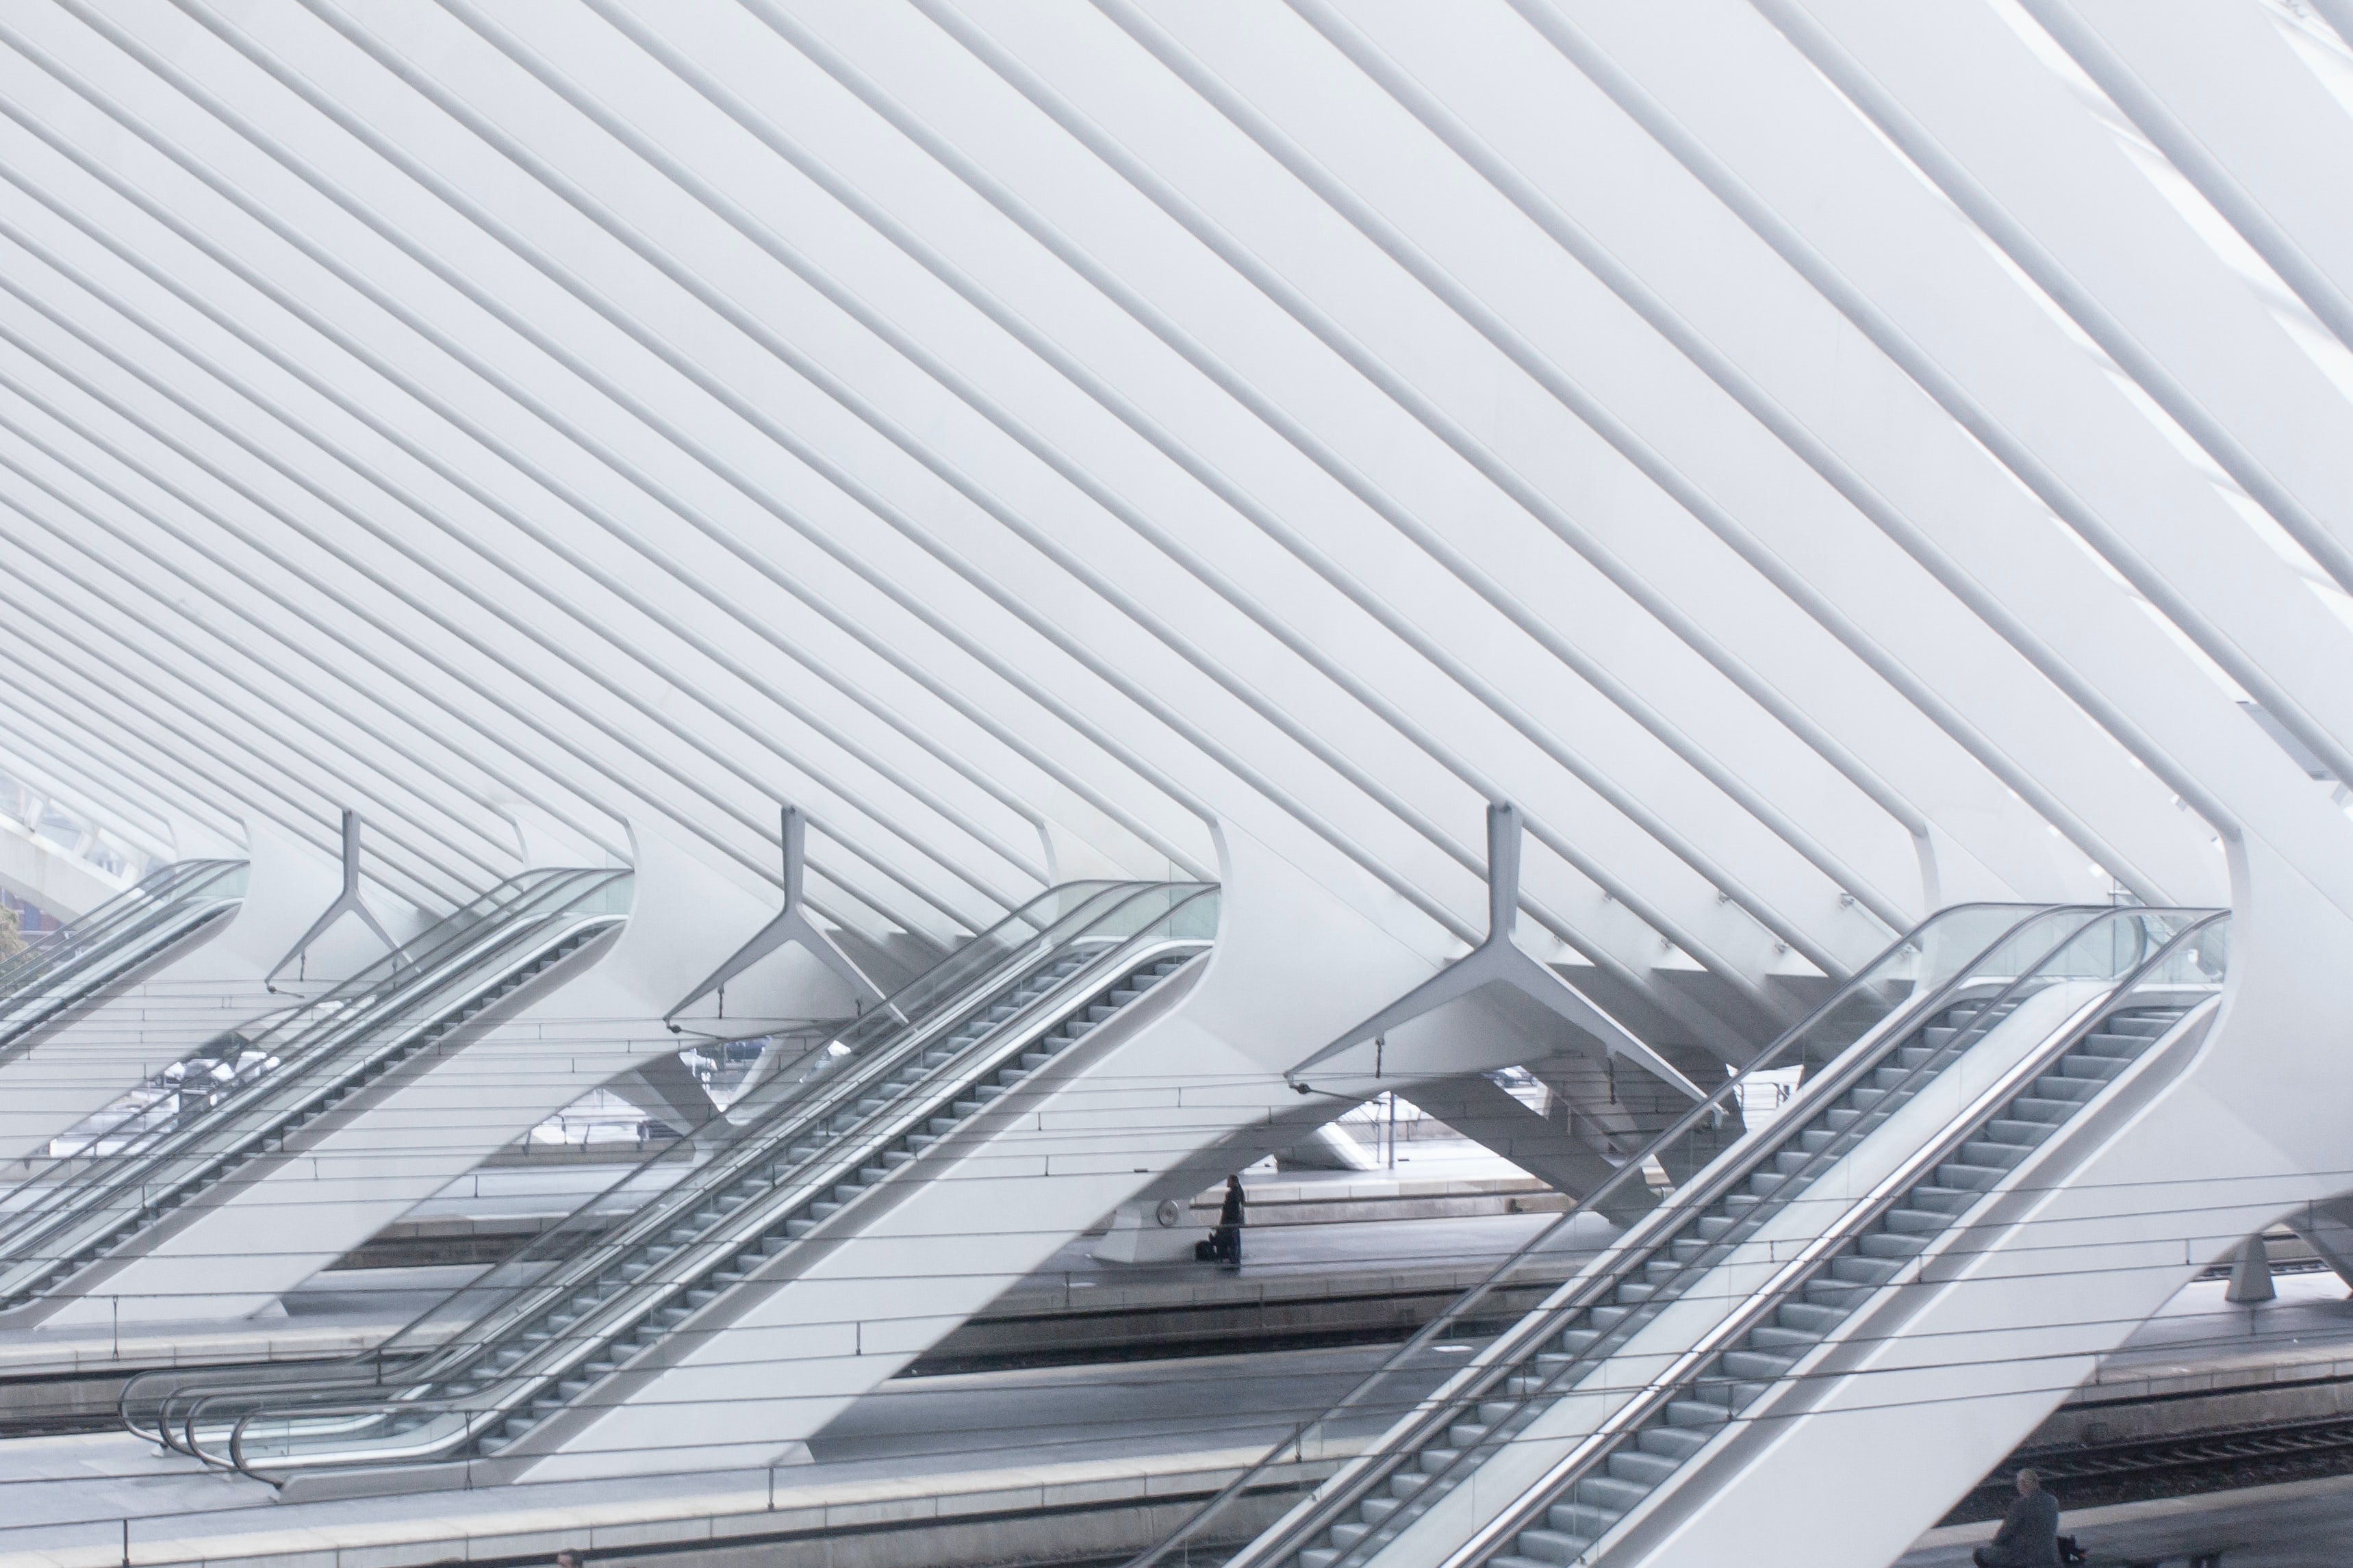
2092	1475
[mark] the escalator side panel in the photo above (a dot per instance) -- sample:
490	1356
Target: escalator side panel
2054	1272
1632	1370
240	1244
783	1362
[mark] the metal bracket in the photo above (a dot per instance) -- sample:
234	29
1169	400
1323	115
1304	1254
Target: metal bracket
792	926
347	902
1498	960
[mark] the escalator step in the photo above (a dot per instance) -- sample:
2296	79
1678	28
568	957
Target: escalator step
1903	1241
1614	1492
1646	1469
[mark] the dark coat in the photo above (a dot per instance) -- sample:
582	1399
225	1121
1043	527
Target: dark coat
2029	1536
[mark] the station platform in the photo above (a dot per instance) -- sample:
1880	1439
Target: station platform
2297	1524
1084	1414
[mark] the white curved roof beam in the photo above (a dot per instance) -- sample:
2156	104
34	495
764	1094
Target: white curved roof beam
236	664
444	622
1252	605
933	260
418	861
349	599
42	712
1683	471
1653	825
248	600
283	161
2048	601
777	433
265	685
2049	184
1168	636
687	444
585	621
359	779
2028	739
488	604
327	389
2045	409
46	758
2221	93
1342	195
1456	560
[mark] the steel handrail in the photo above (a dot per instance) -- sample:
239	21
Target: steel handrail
337	1032
1790	1125
484	1410
1096	902
711	1249
61	976
1768	1297
73	1201
158	888
786	1117
1415	1426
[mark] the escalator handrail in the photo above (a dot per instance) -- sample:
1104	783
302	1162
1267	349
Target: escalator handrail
159	887
62	990
73	1202
63	1203
60	960
1767	1297
333	1035
785	1116
484	1410
733	1231
926	1016
1598	1284
1409	1431
1096	900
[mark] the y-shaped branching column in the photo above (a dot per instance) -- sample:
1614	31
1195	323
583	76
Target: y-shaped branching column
347	902
792	926
1498	960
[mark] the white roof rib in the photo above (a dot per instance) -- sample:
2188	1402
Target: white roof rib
1005	429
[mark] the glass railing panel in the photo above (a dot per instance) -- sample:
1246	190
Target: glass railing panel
1482	1328
58	969
2040	975
2124	983
575	1293
312	1052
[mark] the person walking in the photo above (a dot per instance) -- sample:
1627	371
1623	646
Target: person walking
2029	1536
1225	1243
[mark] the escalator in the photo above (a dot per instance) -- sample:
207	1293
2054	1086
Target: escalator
797	1160
1922	1084
60	974
301	1066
